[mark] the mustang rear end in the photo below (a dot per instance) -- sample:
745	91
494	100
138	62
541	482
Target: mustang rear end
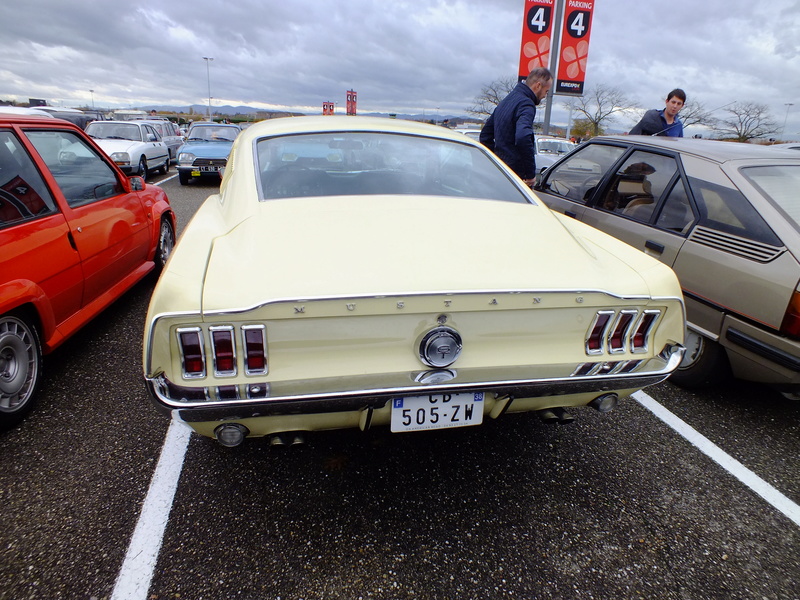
382	273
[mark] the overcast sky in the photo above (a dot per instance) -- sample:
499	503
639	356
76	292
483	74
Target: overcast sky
399	56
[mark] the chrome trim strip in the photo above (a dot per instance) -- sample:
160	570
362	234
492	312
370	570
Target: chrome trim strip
338	394
200	315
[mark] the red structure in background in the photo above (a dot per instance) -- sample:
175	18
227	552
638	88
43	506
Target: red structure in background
327	108
351	102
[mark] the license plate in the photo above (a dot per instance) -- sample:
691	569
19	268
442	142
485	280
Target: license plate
207	169
437	411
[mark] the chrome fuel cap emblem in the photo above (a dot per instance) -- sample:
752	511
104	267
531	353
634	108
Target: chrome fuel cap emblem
440	347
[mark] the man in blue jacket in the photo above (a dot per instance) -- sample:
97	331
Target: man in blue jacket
508	132
663	122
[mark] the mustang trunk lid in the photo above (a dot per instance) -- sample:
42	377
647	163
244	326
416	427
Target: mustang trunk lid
303	248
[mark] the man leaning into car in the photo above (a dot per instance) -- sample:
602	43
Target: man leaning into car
508	132
663	122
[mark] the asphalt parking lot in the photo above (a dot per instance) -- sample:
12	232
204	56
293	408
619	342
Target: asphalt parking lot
612	506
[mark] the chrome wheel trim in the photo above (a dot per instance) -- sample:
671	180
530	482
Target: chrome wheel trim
695	344
166	242
19	364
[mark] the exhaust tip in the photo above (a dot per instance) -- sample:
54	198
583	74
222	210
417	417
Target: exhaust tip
547	416
605	403
564	418
557	414
231	435
277	440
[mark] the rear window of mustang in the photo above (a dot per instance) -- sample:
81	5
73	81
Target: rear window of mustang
365	163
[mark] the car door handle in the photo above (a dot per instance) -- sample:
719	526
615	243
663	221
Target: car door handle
569	213
654	246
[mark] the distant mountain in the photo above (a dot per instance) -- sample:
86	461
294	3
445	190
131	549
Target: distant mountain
200	109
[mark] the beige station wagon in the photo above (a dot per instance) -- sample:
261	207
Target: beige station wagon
726	217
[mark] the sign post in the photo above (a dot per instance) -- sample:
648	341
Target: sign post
574	49
537	36
352	101
555	34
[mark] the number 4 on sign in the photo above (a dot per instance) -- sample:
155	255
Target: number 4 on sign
538	22
577	26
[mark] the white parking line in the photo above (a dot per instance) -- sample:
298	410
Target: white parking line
165	180
727	462
133	581
134	577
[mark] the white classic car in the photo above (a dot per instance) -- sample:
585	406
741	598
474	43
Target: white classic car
135	146
355	272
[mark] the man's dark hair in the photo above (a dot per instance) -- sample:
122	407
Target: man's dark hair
677	93
538	74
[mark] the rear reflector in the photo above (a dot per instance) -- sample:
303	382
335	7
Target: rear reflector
791	320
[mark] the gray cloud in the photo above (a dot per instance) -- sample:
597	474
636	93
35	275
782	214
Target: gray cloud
399	56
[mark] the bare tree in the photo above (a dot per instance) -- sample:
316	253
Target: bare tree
747	121
599	105
694	113
484	103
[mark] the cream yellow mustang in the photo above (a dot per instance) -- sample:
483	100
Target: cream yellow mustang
360	272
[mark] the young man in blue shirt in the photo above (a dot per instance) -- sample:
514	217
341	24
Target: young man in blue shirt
663	122
508	132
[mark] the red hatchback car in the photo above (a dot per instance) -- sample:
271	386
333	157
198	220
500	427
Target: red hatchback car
75	234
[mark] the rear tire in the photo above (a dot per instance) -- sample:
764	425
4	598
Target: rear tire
20	368
704	364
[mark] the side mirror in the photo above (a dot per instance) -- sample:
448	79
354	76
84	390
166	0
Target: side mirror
137	183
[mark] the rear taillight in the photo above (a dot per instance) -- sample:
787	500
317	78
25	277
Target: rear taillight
595	341
619	333
190	340
791	319
641	334
224	350
255	349
220	352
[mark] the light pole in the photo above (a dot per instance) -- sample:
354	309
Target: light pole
92	93
208	60
788	106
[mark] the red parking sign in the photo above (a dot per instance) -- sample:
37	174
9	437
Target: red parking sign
574	49
537	35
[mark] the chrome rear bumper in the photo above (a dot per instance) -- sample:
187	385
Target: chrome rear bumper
339	394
